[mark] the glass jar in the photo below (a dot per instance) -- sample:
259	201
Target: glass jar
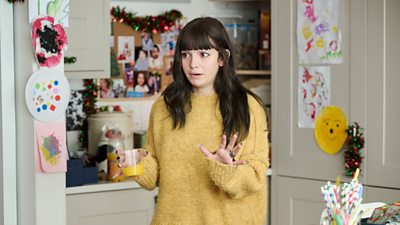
113	159
109	146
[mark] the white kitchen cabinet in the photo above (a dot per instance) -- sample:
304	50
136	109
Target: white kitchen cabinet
108	205
382	103
365	86
88	34
377	194
300	202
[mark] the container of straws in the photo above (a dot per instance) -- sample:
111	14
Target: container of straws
342	203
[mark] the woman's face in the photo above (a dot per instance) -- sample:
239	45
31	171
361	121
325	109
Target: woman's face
201	68
103	84
150	82
155	52
141	79
142	55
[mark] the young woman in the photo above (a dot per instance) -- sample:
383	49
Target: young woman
105	89
207	137
141	84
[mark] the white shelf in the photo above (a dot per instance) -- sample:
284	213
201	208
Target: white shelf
103	186
254	72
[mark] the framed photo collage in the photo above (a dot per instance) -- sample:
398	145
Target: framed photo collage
141	63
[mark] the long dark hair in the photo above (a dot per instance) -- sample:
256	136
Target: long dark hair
201	34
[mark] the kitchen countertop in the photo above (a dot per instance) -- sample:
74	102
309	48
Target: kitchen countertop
102	186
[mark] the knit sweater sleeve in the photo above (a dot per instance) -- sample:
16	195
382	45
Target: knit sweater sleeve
243	180
149	179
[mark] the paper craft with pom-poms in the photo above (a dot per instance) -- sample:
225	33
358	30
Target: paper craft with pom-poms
49	41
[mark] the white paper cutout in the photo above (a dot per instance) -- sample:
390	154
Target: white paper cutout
47	94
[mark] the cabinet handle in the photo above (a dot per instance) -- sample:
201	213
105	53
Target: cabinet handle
69	60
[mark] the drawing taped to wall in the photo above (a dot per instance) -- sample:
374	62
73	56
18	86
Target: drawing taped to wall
318	33
58	9
313	93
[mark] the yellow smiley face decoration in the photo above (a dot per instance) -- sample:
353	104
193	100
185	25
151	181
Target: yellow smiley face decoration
330	129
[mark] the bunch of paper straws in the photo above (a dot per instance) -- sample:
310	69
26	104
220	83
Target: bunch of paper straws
343	203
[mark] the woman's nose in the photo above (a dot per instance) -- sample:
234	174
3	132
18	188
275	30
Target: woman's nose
194	61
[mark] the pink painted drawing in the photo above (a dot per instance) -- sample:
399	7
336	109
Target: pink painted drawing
313	93
51	147
49	41
318	33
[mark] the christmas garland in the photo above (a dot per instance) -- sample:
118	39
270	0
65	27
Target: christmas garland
352	150
89	108
160	23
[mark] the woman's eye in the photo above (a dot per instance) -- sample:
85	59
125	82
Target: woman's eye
185	55
204	54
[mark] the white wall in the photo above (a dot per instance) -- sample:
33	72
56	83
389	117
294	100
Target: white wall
8	192
41	197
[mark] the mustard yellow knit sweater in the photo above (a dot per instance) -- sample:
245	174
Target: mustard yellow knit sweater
194	190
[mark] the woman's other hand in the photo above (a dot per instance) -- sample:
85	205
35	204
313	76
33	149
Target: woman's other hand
225	153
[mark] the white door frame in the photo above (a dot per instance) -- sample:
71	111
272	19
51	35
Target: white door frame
8	180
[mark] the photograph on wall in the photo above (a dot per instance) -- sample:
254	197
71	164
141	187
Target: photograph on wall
156	58
168	42
313	93
126	47
118	88
142	60
154	82
166	77
128	74
105	86
141	78
74	113
318	32
147	41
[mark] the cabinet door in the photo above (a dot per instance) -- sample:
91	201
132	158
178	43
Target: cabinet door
298	202
134	207
381	195
88	35
382	80
295	152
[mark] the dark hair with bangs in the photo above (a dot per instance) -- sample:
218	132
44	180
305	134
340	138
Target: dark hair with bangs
202	34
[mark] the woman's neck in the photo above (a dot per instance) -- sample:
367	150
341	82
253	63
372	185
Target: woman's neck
204	91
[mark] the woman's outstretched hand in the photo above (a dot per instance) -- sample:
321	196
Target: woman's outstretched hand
225	153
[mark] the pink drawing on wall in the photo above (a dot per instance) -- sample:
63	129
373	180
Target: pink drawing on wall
51	147
313	93
49	40
318	33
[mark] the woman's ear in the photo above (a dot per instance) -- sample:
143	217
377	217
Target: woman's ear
229	53
221	61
